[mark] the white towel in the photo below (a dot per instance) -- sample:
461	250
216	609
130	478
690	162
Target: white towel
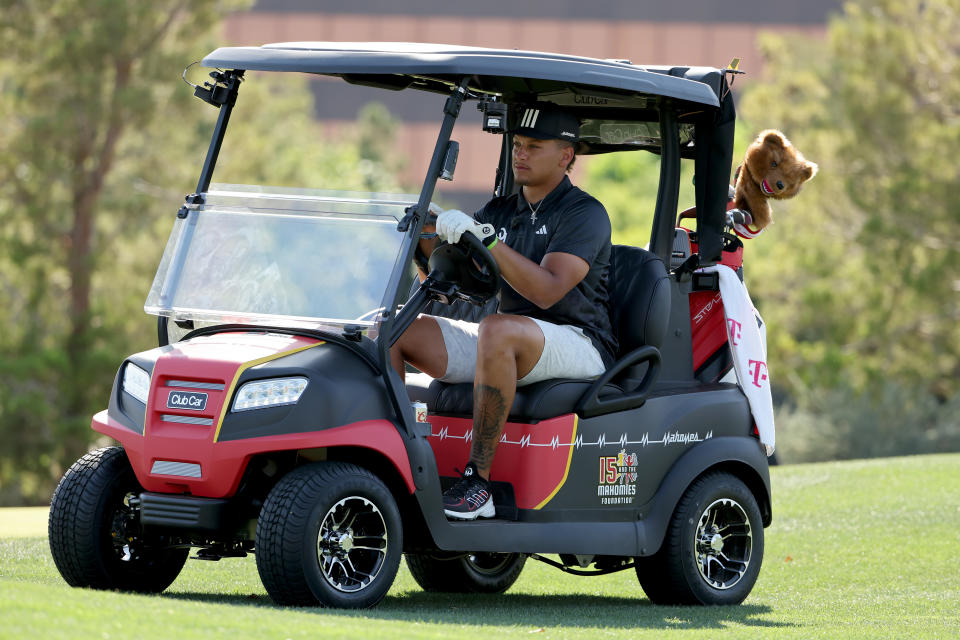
749	348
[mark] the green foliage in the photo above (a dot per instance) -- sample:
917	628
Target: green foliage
842	423
862	308
872	294
101	142
76	79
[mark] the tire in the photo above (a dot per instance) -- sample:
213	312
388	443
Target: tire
94	532
698	563
473	573
308	550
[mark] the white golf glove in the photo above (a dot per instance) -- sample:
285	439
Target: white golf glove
452	224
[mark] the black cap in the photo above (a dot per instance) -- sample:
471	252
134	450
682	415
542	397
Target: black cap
546	123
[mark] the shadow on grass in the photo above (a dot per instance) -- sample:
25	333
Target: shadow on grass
529	610
249	600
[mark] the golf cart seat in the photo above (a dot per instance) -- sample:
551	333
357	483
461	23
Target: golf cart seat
639	313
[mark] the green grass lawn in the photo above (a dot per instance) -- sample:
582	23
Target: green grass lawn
864	549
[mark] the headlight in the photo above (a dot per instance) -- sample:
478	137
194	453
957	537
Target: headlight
136	382
269	393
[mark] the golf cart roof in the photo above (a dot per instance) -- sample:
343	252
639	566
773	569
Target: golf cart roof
511	73
676	112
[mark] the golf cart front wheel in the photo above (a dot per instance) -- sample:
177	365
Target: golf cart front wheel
94	530
713	548
329	533
470	573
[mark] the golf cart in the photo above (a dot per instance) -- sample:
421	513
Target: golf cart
270	421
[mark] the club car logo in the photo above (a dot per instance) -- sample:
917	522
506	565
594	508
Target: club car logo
187	400
618	478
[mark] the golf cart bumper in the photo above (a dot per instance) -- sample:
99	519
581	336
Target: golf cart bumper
180	459
185	512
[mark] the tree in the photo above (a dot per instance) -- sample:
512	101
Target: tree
858	278
878	227
101	142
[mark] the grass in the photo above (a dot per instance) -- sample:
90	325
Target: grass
23	522
863	549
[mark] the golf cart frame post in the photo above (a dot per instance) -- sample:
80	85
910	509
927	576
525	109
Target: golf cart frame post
222	93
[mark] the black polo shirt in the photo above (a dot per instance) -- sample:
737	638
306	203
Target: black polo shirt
571	221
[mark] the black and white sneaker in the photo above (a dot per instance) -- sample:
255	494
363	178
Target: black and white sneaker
470	498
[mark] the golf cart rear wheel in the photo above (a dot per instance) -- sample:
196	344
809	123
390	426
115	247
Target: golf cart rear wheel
471	573
329	533
713	548
94	530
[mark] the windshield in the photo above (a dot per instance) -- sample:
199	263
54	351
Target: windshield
281	257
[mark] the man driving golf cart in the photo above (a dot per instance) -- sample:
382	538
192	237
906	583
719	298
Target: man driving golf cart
551	241
279	427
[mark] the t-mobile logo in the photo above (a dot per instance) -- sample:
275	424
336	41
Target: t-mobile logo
757	368
734	328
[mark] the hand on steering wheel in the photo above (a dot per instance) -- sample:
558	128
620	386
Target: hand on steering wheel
468	267
452	224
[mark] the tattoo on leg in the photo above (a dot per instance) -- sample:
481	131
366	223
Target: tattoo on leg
489	415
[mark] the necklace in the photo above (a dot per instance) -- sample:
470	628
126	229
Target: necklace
533	212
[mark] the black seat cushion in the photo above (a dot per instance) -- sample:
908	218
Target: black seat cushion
538	401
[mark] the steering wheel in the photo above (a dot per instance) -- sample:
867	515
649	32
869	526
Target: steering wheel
465	270
462	271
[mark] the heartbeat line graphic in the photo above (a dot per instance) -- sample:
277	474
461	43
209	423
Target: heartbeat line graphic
603	440
444	434
676	437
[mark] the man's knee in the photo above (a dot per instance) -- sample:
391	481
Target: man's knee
505	331
495	330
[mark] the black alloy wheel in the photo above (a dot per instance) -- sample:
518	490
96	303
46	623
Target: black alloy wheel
329	533
713	549
94	529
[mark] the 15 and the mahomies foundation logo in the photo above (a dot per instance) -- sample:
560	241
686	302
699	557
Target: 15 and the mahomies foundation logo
618	478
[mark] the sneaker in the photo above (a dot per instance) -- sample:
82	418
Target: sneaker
470	498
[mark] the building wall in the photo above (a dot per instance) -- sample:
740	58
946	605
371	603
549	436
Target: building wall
680	32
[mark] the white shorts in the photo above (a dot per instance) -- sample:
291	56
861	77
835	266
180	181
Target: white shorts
567	352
